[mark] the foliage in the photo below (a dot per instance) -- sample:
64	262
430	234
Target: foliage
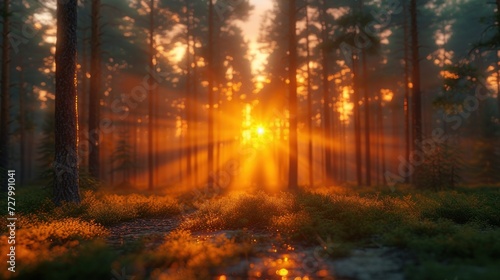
108	209
184	256
440	168
459	81
49	240
236	211
122	157
440	230
46	150
91	260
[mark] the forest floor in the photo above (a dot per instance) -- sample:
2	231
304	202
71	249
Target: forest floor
334	233
274	258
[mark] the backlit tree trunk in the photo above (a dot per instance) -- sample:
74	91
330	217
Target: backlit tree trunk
326	102
292	98
366	102
498	26
357	120
189	113
415	61
95	91
66	112
4	114
22	123
407	87
309	104
151	169
210	157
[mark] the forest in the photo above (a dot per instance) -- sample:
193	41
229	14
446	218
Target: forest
250	139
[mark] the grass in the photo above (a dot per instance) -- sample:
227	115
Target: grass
448	234
61	235
184	256
442	230
100	207
239	210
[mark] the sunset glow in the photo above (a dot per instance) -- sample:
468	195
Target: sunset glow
250	139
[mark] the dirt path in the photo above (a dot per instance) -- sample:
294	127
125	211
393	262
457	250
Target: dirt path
133	230
276	259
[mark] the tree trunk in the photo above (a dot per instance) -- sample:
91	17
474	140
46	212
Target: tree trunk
407	88
195	140
292	98
415	60
366	97
309	105
210	146
189	113
66	111
152	66
4	114
22	123
327	180
95	92
134	148
367	120
83	101
380	122
498	26
357	120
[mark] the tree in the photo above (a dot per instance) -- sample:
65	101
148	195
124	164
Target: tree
415	62
210	62
66	188
366	91
498	28
326	99
292	98
122	156
189	94
151	169
4	114
309	101
406	85
22	123
95	91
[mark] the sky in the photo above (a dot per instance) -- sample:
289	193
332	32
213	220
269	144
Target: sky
251	30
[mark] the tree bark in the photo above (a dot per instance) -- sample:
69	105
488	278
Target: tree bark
357	120
292	98
366	97
189	113
195	112
4	114
367	121
407	88
66	111
22	123
498	26
95	92
327	180
415	60
309	104
151	169
210	61
381	136
83	101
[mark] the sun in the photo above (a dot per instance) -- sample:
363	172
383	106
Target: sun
260	130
